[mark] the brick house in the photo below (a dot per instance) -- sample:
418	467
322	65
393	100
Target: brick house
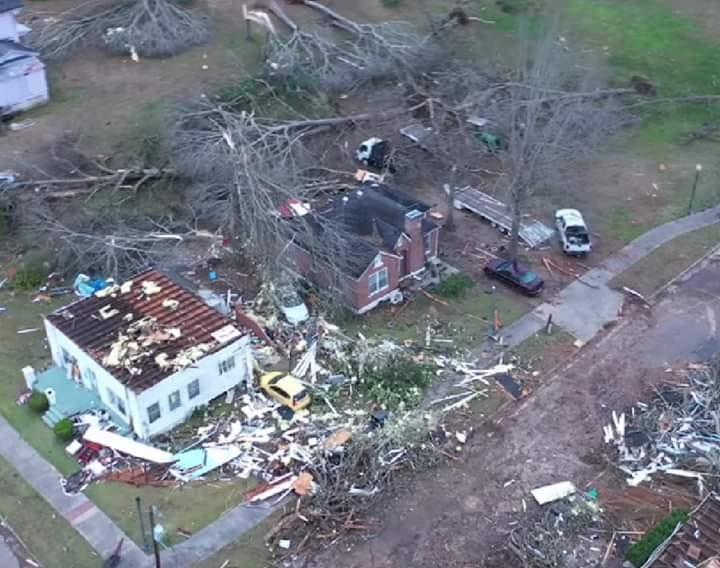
387	240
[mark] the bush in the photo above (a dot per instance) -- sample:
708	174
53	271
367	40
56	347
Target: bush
454	286
639	552
64	429
38	402
32	272
391	3
397	384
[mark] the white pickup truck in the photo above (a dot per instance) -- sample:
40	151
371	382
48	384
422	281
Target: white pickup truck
574	235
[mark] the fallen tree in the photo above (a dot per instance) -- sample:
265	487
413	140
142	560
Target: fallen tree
144	28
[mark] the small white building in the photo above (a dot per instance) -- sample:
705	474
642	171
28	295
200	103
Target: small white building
150	349
23	83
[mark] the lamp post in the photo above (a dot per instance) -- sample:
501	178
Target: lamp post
698	169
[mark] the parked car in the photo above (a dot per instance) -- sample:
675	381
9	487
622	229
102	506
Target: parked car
290	303
285	389
515	274
574	236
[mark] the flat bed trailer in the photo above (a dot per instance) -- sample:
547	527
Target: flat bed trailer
499	215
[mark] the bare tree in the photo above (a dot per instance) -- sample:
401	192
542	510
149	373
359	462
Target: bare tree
148	28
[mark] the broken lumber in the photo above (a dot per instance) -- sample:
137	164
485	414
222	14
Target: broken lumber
435	298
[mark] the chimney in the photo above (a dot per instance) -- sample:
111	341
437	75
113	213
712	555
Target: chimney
415	253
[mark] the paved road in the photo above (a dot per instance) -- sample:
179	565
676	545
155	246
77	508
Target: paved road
587	305
459	515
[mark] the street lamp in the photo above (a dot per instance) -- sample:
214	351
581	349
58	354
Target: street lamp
698	169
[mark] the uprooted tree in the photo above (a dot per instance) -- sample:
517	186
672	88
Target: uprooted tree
140	28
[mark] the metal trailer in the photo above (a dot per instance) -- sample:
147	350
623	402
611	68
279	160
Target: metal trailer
499	215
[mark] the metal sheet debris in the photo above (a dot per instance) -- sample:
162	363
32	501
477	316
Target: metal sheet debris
554	492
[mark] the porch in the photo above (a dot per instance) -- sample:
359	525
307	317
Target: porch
71	398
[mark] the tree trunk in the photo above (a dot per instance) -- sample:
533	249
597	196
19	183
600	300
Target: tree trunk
450	192
515	230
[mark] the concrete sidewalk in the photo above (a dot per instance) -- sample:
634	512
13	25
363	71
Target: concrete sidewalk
587	305
92	524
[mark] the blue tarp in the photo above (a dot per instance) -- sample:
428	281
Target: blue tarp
85	286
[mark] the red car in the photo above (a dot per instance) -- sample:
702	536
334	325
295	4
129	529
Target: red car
515	274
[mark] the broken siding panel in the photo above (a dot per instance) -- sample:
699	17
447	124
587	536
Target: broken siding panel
104	380
212	384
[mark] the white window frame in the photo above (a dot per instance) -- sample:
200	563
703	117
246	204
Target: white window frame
374	281
151	420
174	400
196	389
378	261
91	378
226	365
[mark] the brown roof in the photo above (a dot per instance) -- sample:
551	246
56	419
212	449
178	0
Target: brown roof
697	541
127	329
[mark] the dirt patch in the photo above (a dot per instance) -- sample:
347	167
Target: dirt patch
459	515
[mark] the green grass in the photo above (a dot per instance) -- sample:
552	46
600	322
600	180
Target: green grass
639	552
189	508
16	352
49	537
647	38
540	350
466	320
622	224
663	264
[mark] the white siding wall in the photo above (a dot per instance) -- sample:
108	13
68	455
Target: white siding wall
8	28
212	384
23	84
58	341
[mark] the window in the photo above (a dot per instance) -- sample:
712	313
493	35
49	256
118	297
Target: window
378	281
174	400
226	365
193	388
378	261
90	379
153	412
116	402
428	244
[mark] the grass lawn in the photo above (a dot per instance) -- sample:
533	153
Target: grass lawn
465	320
189	508
48	536
543	352
662	265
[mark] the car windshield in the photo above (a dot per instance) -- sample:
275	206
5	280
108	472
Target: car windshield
528	277
300	396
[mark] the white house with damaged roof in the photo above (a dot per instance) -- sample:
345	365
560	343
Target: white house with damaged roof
23	83
149	349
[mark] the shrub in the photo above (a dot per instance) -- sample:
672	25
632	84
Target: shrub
397	384
64	429
391	3
32	272
639	552
454	286
38	402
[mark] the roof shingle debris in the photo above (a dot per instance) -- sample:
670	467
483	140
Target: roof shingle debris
145	329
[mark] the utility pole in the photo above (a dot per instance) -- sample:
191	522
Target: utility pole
698	169
141	519
156	548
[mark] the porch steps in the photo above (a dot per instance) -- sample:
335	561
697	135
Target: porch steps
52	416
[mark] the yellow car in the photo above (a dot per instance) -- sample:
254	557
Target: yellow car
285	389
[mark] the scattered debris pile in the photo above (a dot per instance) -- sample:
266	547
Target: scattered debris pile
568	532
344	476
677	433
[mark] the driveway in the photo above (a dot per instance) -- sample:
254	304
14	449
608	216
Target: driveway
457	515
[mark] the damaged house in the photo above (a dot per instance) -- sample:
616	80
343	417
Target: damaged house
23	83
149	351
387	239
